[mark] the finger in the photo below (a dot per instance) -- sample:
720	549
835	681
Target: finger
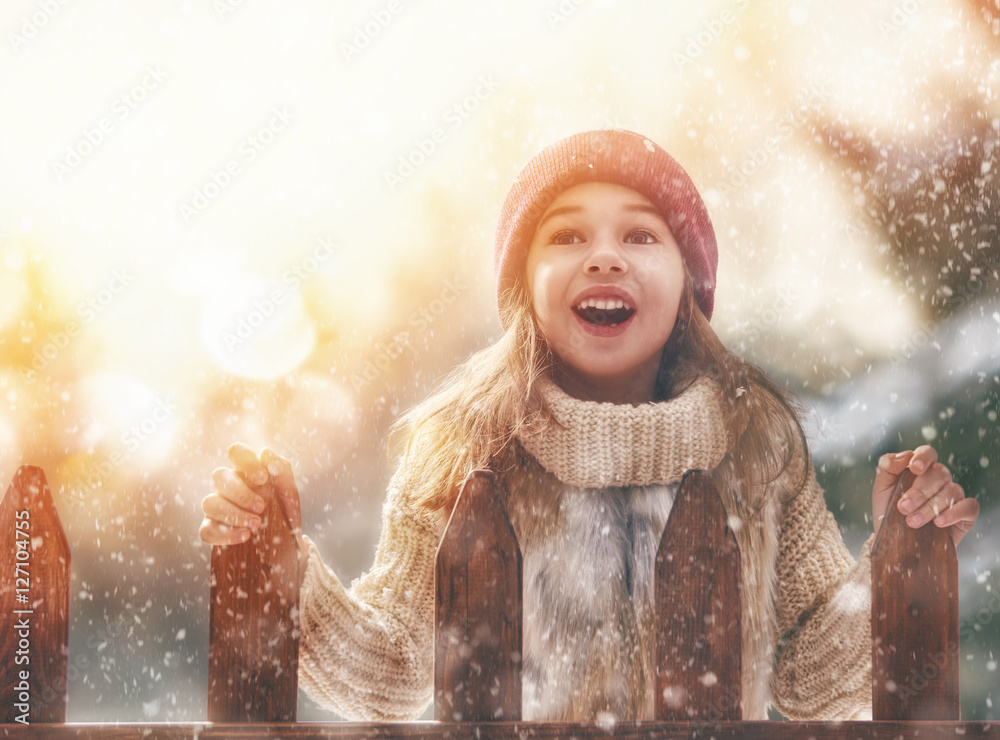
890	465
925	487
247	464
230	486
214	533
226	512
923	459
963	511
283	477
967	509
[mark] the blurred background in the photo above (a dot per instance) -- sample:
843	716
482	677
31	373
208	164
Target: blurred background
240	220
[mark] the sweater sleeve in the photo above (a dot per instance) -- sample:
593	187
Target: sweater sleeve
367	652
823	660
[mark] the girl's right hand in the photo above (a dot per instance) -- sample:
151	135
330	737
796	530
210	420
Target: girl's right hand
233	511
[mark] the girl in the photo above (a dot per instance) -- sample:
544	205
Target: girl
607	385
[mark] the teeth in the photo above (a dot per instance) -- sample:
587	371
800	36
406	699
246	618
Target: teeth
603	304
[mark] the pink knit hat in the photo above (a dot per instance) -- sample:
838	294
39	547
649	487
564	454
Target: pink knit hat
614	156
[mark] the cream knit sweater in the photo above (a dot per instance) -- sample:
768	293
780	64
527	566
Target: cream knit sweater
367	652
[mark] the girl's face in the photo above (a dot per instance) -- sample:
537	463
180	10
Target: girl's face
605	277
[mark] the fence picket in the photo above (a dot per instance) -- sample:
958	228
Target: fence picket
34	650
915	648
697	596
254	625
477	658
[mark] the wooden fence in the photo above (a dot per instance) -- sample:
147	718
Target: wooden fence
253	643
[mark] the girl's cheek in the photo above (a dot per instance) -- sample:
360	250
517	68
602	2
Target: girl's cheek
664	259
540	286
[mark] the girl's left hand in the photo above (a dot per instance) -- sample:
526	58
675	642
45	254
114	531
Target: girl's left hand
933	495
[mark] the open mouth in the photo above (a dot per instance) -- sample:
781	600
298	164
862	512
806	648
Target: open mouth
604	312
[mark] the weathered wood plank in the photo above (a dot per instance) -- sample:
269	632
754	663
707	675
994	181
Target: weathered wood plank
698	639
254	624
915	649
518	731
477	654
34	602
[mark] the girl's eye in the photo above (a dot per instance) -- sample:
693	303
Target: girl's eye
565	237
641	236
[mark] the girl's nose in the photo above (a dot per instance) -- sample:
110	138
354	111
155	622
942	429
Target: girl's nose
605	255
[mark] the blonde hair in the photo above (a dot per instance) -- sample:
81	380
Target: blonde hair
472	420
769	443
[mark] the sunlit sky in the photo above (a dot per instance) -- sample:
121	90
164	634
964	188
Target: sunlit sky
274	221
186	89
